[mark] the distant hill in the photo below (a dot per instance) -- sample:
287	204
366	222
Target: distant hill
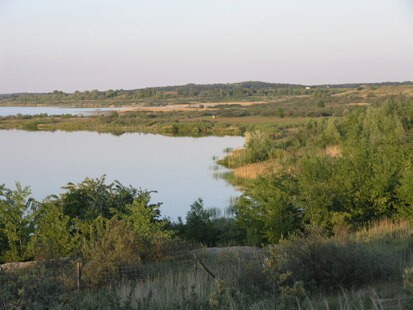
255	85
18	94
248	84
353	85
266	85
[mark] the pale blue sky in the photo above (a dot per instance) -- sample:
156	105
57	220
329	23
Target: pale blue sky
106	44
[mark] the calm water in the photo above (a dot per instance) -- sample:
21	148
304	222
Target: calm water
9	111
179	168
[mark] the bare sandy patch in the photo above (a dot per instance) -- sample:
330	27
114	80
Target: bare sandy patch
252	171
243	103
333	150
191	106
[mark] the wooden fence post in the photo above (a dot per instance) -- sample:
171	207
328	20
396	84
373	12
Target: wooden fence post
204	266
195	265
79	275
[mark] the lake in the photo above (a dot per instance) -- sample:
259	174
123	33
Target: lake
181	169
9	111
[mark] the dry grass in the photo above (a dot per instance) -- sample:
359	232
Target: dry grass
177	284
359	104
16	266
333	151
252	171
262	120
384	229
389	236
191	106
186	285
393	90
406	90
243	103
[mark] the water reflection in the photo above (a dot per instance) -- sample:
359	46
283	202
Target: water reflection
11	111
179	168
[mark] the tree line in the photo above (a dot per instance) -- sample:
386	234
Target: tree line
242	90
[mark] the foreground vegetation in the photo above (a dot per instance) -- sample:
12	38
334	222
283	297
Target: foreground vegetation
368	269
324	221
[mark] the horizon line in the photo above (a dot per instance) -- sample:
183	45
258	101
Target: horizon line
204	84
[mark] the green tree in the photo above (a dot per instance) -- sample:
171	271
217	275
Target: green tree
281	113
198	223
180	91
114	114
405	190
55	236
267	212
142	216
94	94
110	93
93	197
16	225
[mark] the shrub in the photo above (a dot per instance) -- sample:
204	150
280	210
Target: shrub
408	279
111	243
257	147
321	104
198	224
282	286
30	126
323	262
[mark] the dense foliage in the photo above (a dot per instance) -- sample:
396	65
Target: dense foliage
86	220
368	177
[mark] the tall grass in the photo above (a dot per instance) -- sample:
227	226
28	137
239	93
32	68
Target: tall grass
172	285
388	236
179	285
182	284
385	230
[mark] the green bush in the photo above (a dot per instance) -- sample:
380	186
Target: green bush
322	262
198	226
257	147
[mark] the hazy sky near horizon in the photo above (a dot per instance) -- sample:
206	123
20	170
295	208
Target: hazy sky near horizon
126	44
